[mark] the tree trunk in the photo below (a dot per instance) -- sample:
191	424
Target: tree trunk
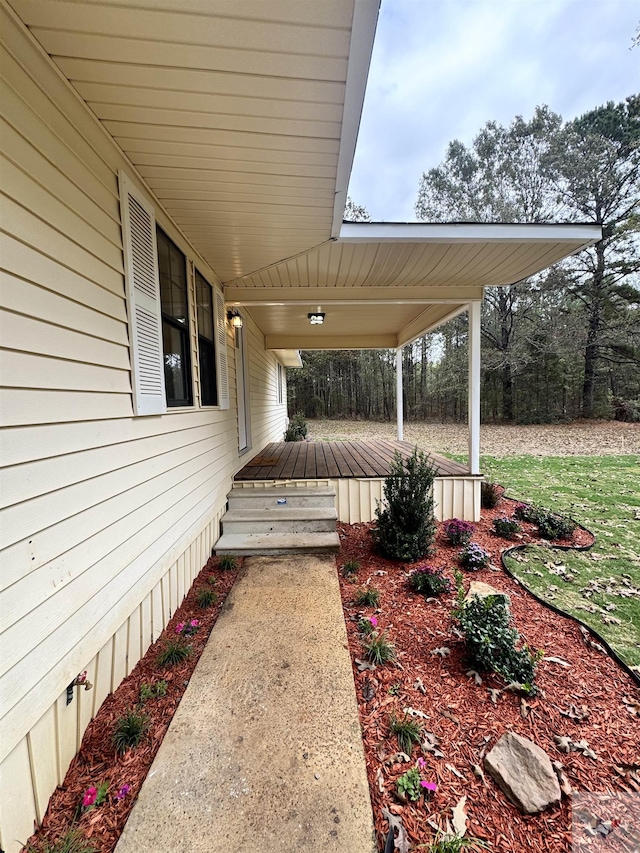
591	352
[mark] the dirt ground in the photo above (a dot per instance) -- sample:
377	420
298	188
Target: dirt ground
581	438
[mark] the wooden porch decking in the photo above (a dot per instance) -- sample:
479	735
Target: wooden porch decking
311	460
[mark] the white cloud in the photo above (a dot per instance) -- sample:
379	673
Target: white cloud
442	68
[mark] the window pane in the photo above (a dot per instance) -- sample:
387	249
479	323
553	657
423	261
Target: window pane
175	324
207	372
205	307
175	366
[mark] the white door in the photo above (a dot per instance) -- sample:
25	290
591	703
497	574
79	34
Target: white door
242	391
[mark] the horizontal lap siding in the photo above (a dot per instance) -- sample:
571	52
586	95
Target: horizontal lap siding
106	518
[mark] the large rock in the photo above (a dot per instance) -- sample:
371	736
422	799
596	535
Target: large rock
478	589
524	772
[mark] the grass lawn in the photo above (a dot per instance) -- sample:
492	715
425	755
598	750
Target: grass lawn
603	494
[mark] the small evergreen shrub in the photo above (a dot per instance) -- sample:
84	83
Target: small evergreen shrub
407	731
405	528
296	429
175	651
378	649
473	558
227	563
457	531
552	526
527	512
429	581
492	641
129	731
506	527
367	597
489	495
206	598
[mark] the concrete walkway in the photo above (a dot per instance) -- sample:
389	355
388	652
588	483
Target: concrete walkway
264	753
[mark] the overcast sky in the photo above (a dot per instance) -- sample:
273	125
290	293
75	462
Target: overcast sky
442	68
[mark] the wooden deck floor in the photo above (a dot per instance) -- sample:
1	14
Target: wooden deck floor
316	460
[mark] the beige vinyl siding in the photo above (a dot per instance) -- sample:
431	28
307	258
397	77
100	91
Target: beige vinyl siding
106	517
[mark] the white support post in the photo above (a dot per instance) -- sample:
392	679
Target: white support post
399	392
474	387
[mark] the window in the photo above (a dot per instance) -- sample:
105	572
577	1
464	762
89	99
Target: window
172	270
206	346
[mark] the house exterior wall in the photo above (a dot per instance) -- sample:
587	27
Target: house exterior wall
106	517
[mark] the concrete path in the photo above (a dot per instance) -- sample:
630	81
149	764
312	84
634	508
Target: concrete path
264	753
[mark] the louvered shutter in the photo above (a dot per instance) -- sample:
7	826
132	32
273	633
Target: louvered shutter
221	350
143	300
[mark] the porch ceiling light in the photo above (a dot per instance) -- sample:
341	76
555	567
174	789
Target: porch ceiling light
316	318
235	319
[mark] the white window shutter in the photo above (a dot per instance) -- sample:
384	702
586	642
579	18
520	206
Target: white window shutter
221	349
143	299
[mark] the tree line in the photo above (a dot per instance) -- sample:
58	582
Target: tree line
560	345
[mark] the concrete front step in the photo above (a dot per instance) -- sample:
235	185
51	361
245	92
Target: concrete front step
280	519
272	544
267	497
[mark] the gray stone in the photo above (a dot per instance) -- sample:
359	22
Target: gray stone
523	771
478	589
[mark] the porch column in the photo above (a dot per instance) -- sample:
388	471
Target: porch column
474	387
399	392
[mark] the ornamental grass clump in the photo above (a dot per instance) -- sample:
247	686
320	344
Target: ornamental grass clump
506	528
227	563
367	597
206	598
489	495
129	731
350	569
429	581
175	651
406	730
378	649
493	643
71	842
405	528
473	558
457	531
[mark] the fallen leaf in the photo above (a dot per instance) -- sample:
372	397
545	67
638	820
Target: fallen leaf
460	818
475	675
443	651
556	660
401	841
414	712
380	780
494	694
454	770
418	685
364	665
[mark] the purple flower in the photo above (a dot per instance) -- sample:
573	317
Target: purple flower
421	763
122	793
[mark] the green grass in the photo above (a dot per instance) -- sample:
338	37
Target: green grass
601	493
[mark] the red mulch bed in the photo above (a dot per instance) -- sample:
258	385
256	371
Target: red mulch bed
97	760
461	713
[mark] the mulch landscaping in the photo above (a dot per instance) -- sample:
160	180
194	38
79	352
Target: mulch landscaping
464	716
461	713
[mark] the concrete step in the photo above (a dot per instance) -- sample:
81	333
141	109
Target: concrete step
280	519
268	544
296	498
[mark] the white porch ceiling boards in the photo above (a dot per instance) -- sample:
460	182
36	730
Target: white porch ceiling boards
232	110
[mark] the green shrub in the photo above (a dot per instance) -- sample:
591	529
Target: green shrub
473	557
130	729
405	529
552	526
457	531
506	527
227	563
429	581
489	495
407	731
409	785
367	597
155	690
175	651
206	598
527	512
492	641
297	428
378	649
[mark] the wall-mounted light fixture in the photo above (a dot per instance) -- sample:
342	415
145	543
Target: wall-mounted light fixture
316	318
234	318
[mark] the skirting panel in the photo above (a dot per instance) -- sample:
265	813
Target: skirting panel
356	500
31	772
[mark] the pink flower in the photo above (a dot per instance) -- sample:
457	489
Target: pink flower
179	627
122	793
90	796
422	763
194	623
430	786
373	621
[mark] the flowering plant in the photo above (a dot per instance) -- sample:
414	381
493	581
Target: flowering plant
367	625
94	796
457	531
188	629
122	793
412	786
429	580
473	557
